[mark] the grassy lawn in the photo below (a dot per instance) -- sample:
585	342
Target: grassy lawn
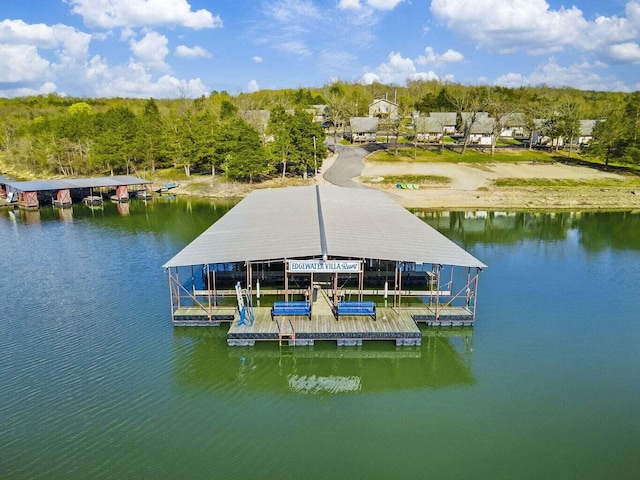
470	156
413	179
563	183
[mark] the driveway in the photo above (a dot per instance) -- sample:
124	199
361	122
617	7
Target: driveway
348	164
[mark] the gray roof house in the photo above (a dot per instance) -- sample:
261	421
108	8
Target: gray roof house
448	120
363	129
586	131
481	132
428	129
513	125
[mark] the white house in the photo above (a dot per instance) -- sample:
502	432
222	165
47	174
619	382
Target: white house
383	108
447	120
586	131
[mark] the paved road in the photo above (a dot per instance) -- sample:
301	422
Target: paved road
348	165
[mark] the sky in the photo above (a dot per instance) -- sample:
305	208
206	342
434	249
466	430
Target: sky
175	48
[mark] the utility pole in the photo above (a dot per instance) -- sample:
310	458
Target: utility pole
315	162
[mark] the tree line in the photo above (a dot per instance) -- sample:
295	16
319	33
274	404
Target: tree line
221	134
199	136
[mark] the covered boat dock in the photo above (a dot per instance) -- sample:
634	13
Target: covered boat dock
303	264
64	192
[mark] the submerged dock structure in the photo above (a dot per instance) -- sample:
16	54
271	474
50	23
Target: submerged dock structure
303	264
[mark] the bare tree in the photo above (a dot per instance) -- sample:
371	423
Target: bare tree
500	105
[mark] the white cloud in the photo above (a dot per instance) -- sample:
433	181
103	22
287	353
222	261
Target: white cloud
625	52
533	26
289	24
140	13
133	80
17	32
579	75
191	52
292	10
375	4
152	50
432	58
384	4
44	89
253	86
397	71
349	5
508	26
32	56
257	59
295	47
21	64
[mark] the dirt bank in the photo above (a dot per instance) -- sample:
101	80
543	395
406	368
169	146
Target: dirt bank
472	186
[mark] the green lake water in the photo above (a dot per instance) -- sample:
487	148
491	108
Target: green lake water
95	382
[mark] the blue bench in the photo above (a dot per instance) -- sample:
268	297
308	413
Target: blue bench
291	308
356	308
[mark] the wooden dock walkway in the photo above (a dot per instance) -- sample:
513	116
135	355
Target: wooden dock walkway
391	324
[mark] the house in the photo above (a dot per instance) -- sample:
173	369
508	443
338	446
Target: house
428	129
514	125
319	113
481	132
383	108
363	129
447	120
539	135
586	131
468	117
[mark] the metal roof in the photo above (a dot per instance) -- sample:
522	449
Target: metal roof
299	222
364	124
446	118
587	126
69	183
429	125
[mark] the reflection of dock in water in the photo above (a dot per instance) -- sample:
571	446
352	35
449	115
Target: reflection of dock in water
441	361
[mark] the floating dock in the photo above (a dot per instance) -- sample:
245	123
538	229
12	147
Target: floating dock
337	264
391	324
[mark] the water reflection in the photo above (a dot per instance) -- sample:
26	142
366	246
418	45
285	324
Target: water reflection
596	230
202	360
181	219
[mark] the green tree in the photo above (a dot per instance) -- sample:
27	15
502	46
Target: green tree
279	126
240	151
151	138
116	140
308	147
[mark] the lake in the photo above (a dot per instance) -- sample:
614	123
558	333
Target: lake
95	382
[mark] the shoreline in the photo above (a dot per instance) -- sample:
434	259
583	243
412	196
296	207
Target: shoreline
471	188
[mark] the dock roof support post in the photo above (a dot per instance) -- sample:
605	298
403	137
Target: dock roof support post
206	285
438	272
286	280
171	296
400	286
395	285
475	294
361	280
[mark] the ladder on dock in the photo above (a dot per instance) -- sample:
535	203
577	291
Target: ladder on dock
286	333
245	307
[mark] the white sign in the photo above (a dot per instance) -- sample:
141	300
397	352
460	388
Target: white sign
317	266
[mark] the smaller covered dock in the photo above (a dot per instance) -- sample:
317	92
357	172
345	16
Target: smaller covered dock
65	192
304	264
